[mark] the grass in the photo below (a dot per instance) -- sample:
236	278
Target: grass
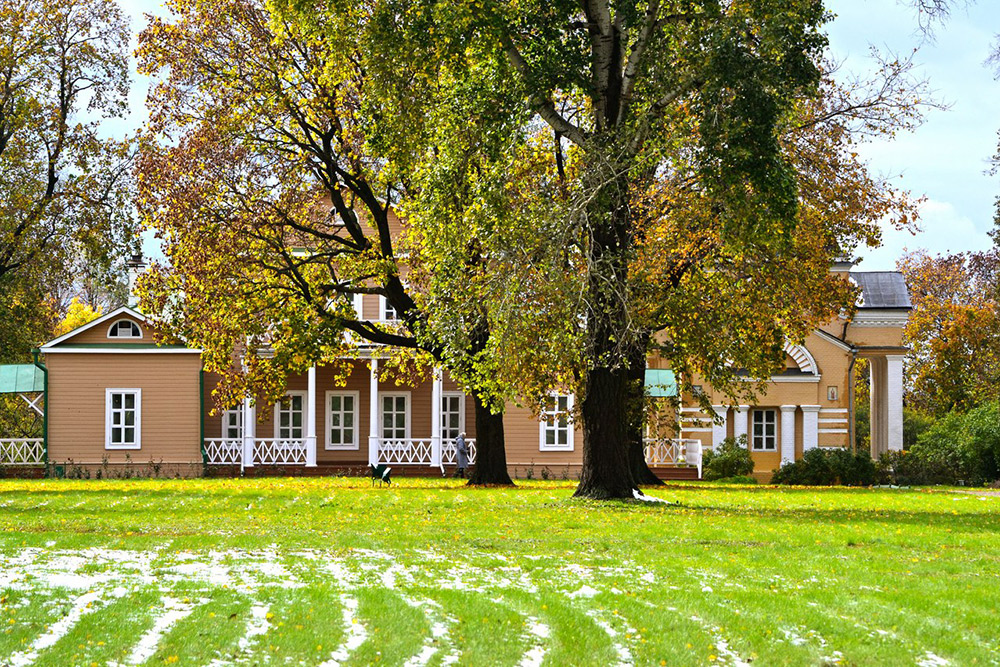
302	571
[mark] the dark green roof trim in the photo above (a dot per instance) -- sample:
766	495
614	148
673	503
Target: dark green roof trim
21	379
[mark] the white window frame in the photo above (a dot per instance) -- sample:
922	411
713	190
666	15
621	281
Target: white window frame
383	310
277	418
544	425
226	414
381	413
753	437
356	444
119	321
461	411
108	393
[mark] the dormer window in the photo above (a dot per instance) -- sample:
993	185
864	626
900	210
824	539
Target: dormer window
124	329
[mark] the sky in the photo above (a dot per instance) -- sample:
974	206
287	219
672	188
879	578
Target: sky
946	160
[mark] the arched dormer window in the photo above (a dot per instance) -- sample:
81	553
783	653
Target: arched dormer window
124	329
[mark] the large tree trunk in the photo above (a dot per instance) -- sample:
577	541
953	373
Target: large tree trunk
606	472
641	473
606	413
491	453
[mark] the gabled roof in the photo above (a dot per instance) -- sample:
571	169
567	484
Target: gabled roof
118	312
882	290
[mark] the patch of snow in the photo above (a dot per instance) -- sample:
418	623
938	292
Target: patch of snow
81	606
929	659
175	611
583	592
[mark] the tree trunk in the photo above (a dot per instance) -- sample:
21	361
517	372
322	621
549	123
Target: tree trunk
491	453
606	472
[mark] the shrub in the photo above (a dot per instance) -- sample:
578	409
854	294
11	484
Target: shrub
730	459
827	467
959	446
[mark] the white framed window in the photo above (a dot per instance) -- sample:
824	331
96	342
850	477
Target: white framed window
386	312
763	430
452	414
122	418
394	409
290	416
342	420
555	430
124	329
232	423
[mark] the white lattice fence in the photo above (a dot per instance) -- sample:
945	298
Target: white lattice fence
663	451
271	451
448	451
224	451
408	451
22	451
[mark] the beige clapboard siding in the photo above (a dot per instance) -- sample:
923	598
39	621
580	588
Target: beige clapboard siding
170	406
521	435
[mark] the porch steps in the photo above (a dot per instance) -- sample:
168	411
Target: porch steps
676	473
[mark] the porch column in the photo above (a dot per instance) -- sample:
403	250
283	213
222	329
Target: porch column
878	407
436	396
311	419
373	414
810	427
740	422
787	433
249	431
719	430
894	401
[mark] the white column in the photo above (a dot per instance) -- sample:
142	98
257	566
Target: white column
740	422
810	427
894	402
787	433
437	393
878	407
249	431
311	419
373	415
719	428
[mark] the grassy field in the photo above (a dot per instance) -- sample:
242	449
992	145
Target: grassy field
332	571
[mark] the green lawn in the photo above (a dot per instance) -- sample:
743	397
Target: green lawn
307	571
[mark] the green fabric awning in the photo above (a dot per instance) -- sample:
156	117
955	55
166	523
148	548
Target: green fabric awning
21	379
661	382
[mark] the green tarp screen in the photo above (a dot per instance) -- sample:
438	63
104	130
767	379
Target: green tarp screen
660	382
21	379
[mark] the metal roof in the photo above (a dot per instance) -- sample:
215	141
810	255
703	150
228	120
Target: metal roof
21	379
661	382
881	289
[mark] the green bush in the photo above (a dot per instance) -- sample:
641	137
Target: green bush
959	446
730	459
827	467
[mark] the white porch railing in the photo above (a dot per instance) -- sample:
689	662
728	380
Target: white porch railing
266	451
406	451
22	451
224	451
673	452
448	454
272	451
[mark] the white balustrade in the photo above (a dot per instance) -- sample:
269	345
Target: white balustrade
224	451
22	451
673	452
266	451
273	451
405	451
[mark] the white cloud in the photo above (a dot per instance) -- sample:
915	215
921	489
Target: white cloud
942	230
